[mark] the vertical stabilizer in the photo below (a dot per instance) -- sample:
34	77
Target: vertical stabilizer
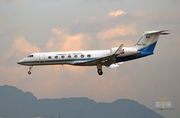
148	40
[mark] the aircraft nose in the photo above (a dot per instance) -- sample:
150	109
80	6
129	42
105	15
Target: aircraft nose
20	62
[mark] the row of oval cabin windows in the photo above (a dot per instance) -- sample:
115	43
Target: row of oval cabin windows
69	56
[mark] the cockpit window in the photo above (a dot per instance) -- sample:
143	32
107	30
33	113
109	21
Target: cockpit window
30	56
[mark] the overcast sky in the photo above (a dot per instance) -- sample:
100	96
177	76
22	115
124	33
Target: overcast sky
28	26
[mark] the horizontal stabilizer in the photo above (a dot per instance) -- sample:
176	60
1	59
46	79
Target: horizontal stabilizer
163	32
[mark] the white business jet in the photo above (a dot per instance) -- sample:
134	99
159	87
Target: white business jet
109	58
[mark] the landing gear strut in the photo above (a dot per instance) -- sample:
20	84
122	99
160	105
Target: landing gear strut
29	70
99	69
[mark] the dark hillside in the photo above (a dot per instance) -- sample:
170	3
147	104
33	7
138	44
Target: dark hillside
15	103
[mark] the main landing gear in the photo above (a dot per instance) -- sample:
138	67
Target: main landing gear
29	70
99	69
100	72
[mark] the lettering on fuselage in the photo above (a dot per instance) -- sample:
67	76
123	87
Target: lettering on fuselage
141	44
60	54
76	53
70	54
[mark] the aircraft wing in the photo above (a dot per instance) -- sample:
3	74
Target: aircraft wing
107	60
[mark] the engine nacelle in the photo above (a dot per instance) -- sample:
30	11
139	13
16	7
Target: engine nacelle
125	51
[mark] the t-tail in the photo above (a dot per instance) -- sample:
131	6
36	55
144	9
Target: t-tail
148	41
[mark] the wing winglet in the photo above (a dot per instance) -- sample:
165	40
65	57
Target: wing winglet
118	51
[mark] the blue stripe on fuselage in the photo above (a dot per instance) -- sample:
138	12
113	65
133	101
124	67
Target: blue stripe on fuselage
142	54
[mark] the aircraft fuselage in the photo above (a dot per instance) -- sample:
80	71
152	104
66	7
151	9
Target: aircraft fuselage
73	57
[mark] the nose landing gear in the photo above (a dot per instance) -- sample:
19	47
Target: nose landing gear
29	70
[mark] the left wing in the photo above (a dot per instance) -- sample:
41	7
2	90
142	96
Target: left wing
107	60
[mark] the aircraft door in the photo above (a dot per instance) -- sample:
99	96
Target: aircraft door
41	58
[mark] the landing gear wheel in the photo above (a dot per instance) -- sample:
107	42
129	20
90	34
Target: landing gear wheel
29	72
100	72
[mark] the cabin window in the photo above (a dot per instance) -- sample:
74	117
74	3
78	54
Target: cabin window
88	55
69	56
56	57
62	56
82	56
49	57
75	56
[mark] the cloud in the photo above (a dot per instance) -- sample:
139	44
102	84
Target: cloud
18	50
57	31
22	45
11	73
116	13
73	42
116	31
64	41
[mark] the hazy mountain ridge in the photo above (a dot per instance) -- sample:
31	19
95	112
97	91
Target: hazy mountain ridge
15	103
